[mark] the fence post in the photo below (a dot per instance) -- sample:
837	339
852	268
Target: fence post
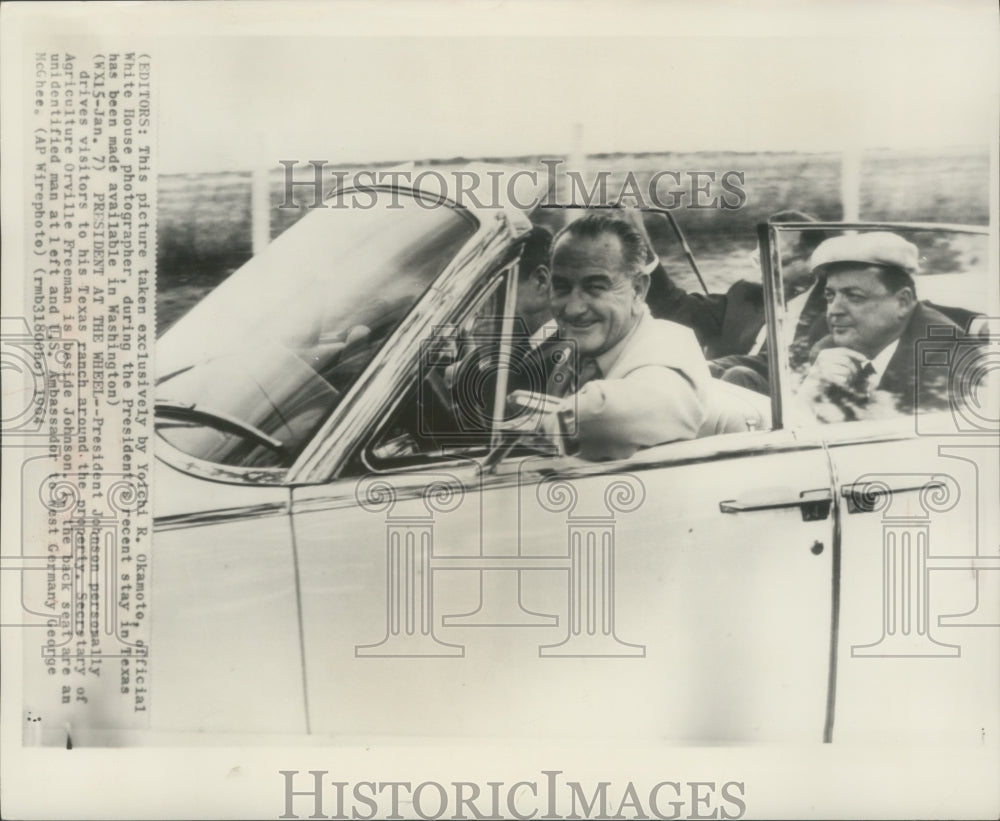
260	210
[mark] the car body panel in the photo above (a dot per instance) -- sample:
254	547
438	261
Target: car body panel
917	648
667	658
226	628
917	599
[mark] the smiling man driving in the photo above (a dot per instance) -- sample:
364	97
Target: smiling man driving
638	381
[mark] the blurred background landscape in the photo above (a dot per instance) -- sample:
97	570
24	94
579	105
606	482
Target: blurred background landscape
204	230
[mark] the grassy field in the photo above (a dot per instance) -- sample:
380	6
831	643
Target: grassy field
203	231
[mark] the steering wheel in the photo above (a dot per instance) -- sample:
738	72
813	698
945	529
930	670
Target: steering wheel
538	430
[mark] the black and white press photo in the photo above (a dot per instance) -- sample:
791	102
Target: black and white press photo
521	410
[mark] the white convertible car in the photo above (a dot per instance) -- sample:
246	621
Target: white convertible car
339	552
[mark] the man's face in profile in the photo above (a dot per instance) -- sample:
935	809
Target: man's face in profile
796	272
596	301
862	314
533	293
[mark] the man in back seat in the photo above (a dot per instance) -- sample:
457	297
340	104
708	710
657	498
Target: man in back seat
804	305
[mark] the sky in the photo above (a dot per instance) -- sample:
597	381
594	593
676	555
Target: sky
238	102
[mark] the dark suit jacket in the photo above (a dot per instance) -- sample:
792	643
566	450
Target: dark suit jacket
811	328
702	313
902	379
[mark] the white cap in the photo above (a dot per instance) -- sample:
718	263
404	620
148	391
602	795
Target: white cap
871	248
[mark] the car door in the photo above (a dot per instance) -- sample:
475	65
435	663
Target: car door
245	380
683	594
919	614
225	653
918	572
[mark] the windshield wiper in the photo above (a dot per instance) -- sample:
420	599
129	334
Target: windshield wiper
217	418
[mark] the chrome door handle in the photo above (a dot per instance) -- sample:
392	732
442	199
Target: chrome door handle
815	504
866	497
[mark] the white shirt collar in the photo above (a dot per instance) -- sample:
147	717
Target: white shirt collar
793	312
881	360
606	361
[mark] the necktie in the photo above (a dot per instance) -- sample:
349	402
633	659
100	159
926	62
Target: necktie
865	382
566	378
588	370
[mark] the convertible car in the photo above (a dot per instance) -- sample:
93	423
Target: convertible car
345	548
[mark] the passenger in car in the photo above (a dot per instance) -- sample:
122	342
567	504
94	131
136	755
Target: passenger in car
731	324
702	313
866	366
473	378
637	381
532	307
804	302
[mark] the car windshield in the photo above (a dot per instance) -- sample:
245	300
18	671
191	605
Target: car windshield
252	371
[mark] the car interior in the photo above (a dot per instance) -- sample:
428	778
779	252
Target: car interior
453	408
